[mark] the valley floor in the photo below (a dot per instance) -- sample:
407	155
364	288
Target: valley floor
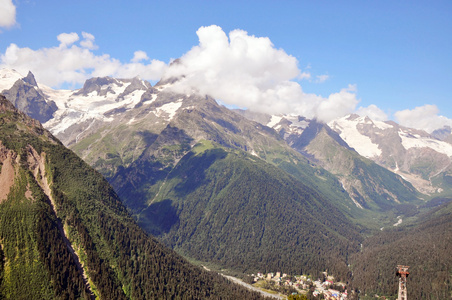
252	288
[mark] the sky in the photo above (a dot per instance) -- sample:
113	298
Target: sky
321	59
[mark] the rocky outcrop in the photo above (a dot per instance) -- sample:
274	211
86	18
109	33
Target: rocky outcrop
29	99
7	171
101	85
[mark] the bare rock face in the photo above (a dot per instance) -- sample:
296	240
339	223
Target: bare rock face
135	84
101	85
443	133
29	99
7	171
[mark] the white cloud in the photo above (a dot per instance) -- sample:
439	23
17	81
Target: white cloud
322	78
337	104
67	39
7	13
422	117
139	56
248	71
88	41
73	64
373	112
240	70
304	75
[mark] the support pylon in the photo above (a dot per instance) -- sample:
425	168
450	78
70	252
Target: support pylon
402	272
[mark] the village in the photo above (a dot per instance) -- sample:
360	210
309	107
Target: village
302	285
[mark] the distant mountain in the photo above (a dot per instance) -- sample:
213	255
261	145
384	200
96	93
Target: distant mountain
369	185
417	156
65	234
443	134
422	159
26	96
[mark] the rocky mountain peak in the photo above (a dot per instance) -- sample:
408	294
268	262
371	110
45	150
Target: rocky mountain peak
442	133
352	117
101	85
28	98
136	84
30	79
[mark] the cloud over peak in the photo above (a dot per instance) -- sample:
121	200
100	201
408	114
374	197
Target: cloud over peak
248	71
422	117
373	112
238	69
71	63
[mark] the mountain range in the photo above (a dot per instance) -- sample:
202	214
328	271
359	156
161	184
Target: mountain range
247	191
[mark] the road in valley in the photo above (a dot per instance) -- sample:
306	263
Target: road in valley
250	287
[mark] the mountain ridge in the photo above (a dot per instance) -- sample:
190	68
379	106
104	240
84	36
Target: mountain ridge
210	181
413	154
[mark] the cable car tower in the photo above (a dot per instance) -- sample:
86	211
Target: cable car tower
402	272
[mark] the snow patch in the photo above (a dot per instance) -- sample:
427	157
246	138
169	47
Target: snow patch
274	120
382	125
169	109
153	98
296	122
416	141
131	121
349	132
8	77
396	168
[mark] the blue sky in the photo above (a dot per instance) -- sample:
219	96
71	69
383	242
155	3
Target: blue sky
397	55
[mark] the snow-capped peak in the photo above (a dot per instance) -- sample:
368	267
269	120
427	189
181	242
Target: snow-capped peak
8	77
348	128
365	135
98	97
413	140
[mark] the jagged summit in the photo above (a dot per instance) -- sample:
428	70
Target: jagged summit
100	101
443	134
101	85
108	85
30	79
27	96
327	148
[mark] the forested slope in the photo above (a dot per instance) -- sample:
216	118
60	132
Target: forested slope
234	209
64	233
425	247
